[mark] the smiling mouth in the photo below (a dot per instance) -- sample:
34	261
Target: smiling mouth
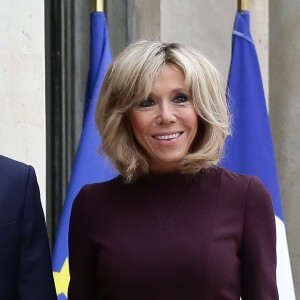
167	137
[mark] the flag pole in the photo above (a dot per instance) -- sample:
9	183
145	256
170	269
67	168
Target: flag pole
99	5
243	5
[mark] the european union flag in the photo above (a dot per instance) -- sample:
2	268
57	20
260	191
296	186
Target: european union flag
250	149
88	166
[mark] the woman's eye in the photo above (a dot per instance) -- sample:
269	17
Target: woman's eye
146	103
181	98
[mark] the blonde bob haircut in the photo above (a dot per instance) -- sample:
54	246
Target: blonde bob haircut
130	78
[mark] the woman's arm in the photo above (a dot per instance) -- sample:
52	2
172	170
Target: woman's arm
82	256
258	256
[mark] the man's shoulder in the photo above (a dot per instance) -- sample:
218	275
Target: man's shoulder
14	178
9	167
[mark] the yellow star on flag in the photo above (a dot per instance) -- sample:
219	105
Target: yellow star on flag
62	279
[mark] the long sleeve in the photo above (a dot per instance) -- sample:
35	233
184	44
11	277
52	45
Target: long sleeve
259	245
34	277
83	282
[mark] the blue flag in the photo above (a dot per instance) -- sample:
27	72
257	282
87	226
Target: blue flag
89	166
250	149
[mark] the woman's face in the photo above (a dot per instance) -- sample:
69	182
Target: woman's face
166	123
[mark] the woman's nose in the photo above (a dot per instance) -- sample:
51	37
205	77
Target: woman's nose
166	114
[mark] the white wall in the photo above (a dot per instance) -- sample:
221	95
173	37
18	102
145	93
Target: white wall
22	84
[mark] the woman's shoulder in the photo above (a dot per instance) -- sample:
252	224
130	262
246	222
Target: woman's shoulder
105	186
97	193
238	184
232	183
231	178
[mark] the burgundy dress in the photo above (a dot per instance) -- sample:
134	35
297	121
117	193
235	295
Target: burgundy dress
174	237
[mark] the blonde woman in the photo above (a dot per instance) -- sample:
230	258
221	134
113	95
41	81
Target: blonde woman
173	225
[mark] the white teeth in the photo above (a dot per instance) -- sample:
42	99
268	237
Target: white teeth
167	137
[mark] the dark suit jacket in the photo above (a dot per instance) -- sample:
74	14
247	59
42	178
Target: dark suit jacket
25	262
